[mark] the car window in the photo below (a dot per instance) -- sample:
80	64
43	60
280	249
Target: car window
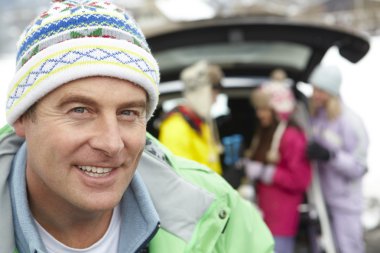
255	53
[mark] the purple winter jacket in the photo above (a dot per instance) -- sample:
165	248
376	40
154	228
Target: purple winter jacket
341	177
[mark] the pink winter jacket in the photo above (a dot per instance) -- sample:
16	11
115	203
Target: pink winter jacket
279	200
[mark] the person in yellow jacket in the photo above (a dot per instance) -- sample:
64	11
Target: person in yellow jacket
188	130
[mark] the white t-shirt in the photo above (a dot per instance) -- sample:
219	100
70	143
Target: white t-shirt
108	243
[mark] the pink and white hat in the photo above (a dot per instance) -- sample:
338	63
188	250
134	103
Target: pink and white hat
277	96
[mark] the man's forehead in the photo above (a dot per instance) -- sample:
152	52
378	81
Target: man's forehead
98	88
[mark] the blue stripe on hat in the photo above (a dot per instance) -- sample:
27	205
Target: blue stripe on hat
80	21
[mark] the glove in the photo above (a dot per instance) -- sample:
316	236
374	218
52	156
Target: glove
316	151
253	169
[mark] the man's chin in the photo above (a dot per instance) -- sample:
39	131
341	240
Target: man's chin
100	203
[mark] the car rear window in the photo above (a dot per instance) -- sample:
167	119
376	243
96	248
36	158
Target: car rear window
261	53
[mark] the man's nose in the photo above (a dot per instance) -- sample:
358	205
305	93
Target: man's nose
107	137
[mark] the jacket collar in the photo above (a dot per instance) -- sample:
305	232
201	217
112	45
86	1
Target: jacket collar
179	203
9	144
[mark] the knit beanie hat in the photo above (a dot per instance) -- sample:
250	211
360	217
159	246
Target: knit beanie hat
201	73
327	78
198	82
77	39
275	95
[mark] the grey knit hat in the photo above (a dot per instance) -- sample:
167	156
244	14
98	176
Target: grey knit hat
327	78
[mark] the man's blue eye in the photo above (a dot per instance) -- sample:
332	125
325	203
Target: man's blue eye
129	113
79	109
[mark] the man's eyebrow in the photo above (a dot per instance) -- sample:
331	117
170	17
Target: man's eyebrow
65	100
68	99
138	103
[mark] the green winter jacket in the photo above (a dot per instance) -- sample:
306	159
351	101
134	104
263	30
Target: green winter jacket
199	212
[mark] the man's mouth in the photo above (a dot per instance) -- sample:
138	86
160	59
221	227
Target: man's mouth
95	171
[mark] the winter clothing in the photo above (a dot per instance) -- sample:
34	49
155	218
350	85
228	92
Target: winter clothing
280	197
316	151
275	95
341	159
189	130
258	171
253	169
199	80
77	39
219	222
189	136
284	244
280	146
341	176
347	231
201	73
327	78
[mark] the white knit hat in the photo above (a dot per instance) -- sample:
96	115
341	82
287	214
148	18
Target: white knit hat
77	39
327	78
198	80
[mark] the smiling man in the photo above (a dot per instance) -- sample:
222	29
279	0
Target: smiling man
79	173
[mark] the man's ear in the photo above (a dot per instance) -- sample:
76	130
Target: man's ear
19	127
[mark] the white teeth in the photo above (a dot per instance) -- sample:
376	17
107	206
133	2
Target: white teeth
95	171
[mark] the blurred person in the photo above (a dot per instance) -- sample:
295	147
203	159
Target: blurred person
188	130
339	145
277	163
78	171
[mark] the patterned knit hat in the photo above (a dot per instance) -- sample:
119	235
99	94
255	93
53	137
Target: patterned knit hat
77	39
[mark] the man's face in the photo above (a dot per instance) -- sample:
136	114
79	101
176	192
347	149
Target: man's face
84	142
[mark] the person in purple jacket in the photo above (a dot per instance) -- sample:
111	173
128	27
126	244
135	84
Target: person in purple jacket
339	146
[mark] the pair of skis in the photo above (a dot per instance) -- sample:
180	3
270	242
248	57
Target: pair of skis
320	233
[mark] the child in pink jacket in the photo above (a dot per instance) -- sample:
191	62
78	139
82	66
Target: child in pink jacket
277	163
